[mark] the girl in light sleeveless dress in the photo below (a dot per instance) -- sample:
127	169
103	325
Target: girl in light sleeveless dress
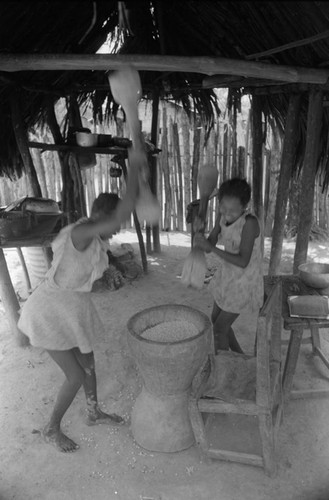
237	286
60	317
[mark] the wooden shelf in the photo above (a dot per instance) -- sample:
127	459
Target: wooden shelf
110	150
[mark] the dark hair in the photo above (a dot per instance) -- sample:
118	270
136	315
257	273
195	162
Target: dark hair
236	188
106	203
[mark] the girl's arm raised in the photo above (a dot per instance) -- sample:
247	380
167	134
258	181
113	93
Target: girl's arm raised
82	234
250	232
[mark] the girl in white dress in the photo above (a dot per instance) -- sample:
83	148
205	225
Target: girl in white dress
237	286
60	316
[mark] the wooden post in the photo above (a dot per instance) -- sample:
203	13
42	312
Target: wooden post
186	157
234	141
137	225
154	164
10	302
314	125
22	144
257	164
274	169
176	151
196	157
165	170
247	147
225	153
25	271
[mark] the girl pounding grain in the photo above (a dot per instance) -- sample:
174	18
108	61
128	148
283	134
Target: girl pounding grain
237	286
60	317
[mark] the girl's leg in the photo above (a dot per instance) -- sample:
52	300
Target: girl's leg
224	337
74	379
94	414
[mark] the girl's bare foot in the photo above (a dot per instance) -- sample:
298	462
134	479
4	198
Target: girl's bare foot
59	440
97	416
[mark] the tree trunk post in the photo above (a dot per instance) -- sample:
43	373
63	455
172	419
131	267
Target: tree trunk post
10	302
257	163
196	157
314	125
287	161
154	164
165	170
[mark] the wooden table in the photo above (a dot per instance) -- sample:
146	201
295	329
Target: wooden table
292	285
7	291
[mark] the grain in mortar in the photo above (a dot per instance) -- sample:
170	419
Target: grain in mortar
170	331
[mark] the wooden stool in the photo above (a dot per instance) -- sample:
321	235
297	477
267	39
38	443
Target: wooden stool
268	403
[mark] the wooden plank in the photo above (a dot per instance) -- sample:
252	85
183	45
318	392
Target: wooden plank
267	439
291	360
148	62
114	150
234	456
309	393
322	356
240	406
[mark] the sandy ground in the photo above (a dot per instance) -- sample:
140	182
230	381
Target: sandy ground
109	464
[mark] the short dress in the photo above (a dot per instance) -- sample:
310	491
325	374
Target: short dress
60	314
236	289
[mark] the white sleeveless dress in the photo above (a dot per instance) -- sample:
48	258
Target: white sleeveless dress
60	314
236	289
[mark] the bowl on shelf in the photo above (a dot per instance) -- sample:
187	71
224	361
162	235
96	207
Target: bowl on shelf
315	275
86	139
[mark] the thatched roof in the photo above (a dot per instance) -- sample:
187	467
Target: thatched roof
236	30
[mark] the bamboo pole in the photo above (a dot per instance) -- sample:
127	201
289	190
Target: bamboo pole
25	271
180	222
196	157
165	170
154	164
208	65
314	124
247	146
225	153
10	302
186	157
257	164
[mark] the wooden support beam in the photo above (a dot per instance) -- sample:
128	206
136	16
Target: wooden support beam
291	45
257	160
287	162
207	65
72	147
10	302
154	164
314	125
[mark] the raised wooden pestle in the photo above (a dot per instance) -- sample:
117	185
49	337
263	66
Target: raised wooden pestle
126	90
194	269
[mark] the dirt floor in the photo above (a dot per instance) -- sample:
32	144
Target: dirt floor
109	464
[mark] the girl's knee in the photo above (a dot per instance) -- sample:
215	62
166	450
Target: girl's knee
86	360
